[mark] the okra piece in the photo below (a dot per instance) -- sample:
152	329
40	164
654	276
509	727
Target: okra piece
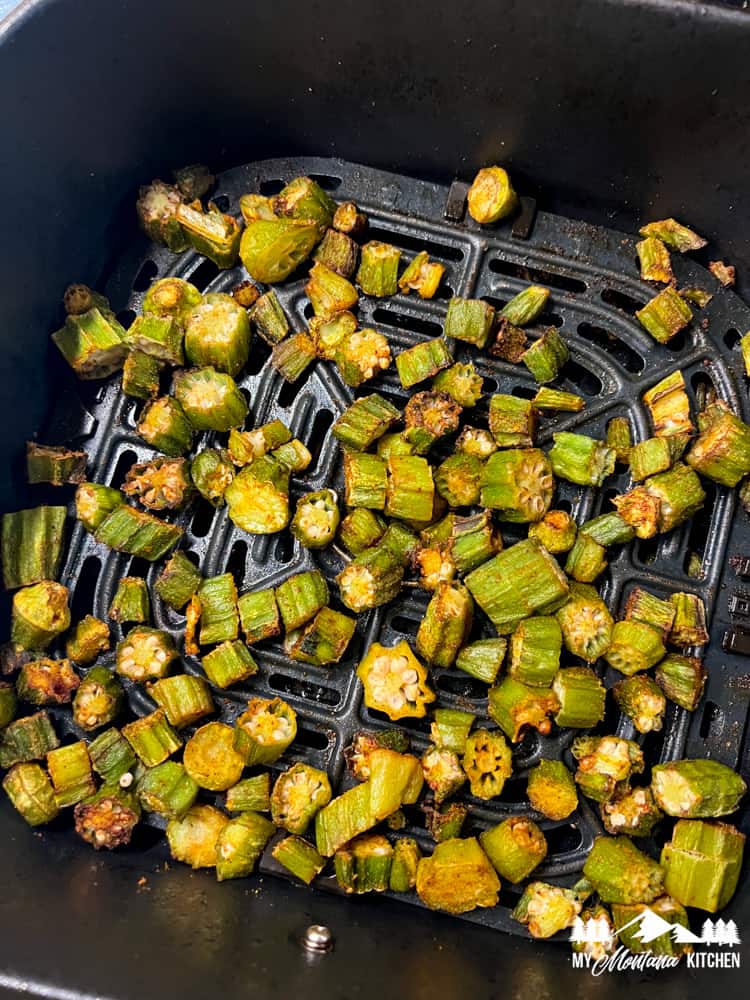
292	356
246	446
458	479
298	794
299	857
642	700
378	269
404	865
702	863
634	646
654	259
140	375
552	790
8	703
546	356
39	614
192	620
31	794
545	909
55	465
662	502
228	664
665	315
581	695
193	838
476	441
446	625
212	233
462	382
527	306
649	457
469	320
268	318
557	399
365	480
721	451
434	565
423	361
482	659
293	456
184	698
608	529
178	581
457	877
360	529
92	343
111	756
219	615
210	757
362	355
29	738
259	615
258	497
604	763
447	822
510	341
491	196
323	641
450	728
422	275
240	845
265	730
32	545
156	208
47	682
515	707
245	294
620	873
518	484
698	296
69	769
344	818
303	198
338	252
556	531
515	847
371	579
627	918
512	421
167	790
171	297
581	459
696	789
145	654
329	292
586	560
675	235
443	772
250	794
668	406
328	333
472	541
131	602
348	219
644	607
725	274
210	400
682	679
358	753
619	438
164	425
395	682
79	298
94	503
689	625
98	699
217	334
632	811
410	493
301	597
152	738
487	763
535	647
429	416
586	623
159	337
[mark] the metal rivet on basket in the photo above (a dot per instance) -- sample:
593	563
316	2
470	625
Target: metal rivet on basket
317	937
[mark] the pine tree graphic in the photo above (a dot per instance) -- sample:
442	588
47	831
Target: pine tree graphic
708	934
731	937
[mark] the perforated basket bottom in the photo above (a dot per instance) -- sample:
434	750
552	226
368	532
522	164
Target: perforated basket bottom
593	276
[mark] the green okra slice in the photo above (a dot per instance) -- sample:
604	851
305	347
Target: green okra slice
586	560
193	837
98	699
259	615
184	698
546	909
32	545
156	208
422	361
364	865
642	606
619	437
604	763
95	502
26	739
527	306
552	790
482	659
324	640
39	614
301	597
655	261
159	337
491	196
689	625
219	615
378	269
145	654
512	421
47	682
682	679
303	198
620	873
265	730
394	681
250	794
329	292
487	763
457	877
171	297
662	501
271	249
217	334
360	529
93	344
213	233
721	451
556	531
230	663
167	790
293	456
608	529
673	234
476	441
140	375
410	492
240	845
69	768
446	823
212	759
665	315
581	695
365	480
138	533
450	728
669	406
469	320
634	646
429	416
111	755
581	459
371	579
246	446
632	811
473	540
8	703
131	602
515	707
462	382
358	753
164	425
292	356
55	465
338	252
515	847
268	318
535	647
422	276
446	624
345	817
546	356
362	423
518	484
298	794
258	496
210	400
702	863
696	789
458	479
329	332
442	771
31	793
361	355
152	738
178	581
557	399
299	857
649	457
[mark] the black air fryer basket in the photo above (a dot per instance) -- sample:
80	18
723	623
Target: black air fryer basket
581	106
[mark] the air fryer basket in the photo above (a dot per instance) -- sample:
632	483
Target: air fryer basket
178	932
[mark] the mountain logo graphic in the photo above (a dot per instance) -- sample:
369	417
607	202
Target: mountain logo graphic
651	926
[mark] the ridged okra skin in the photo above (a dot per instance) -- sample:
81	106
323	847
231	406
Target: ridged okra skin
546	909
55	465
702	863
217	334
620	873
692	789
69	768
32	545
491	196
552	790
515	847
457	877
